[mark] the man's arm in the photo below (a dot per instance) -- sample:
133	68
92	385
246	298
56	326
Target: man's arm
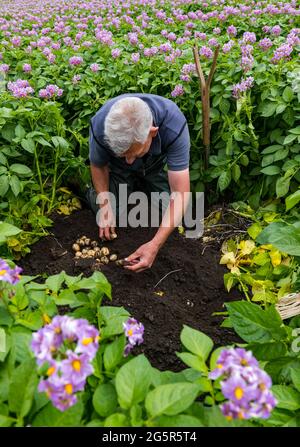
100	178
179	182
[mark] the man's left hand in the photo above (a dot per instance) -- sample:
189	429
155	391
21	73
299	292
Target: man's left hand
143	257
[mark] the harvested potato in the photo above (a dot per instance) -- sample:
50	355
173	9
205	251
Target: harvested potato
84	251
81	242
91	253
78	254
87	242
94	244
104	259
104	251
76	247
113	236
113	257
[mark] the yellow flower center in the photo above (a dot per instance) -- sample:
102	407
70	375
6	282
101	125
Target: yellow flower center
244	362
51	371
69	388
219	365
130	332
46	319
87	341
240	415
52	348
57	330
262	386
2	272
76	365
239	393
229	418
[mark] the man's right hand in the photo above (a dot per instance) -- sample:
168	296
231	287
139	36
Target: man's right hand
106	223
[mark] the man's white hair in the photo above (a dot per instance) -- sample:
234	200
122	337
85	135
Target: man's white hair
128	121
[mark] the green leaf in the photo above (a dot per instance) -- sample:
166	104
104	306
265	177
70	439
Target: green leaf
181	420
288	398
2	341
133	380
272	149
268	109
270	170
279	418
28	144
105	400
292	200
54	282
116	420
192	360
171	399
267	351
254	230
288	94
282	186
236	172
289	139
51	417
4	185
20	131
196	342
295	375
21	390
283	236
224	180
113	354
20	169
295	131
15	185
6	421
21	339
254	324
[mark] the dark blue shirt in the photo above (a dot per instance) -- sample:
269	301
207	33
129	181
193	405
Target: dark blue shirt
172	139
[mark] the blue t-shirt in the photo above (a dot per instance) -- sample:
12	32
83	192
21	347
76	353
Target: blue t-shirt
172	139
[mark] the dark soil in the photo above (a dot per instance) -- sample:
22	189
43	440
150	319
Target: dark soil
190	296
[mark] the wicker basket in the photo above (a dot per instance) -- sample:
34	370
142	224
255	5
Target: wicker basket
289	305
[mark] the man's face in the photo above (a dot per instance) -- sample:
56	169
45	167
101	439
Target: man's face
138	150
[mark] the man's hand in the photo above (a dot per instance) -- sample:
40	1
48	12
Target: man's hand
106	223
143	257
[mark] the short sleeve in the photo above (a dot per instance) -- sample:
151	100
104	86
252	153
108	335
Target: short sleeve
178	155
97	153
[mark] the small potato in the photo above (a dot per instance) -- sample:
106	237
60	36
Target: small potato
104	259
113	236
94	244
113	257
87	242
81	242
97	250
76	247
84	251
104	251
91	253
78	254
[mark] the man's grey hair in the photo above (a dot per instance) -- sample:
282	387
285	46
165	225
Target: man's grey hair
128	121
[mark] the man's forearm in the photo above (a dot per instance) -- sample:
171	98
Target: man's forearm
171	219
100	178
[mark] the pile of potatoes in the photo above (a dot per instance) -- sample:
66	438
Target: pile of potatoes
85	248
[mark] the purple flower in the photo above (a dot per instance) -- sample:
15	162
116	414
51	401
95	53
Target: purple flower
135	57
178	91
27	68
276	30
206	52
20	88
12	276
75	60
68	346
50	91
231	30
227	46
76	79
282	52
94	67
249	37
115	53
265	43
134	332
244	384
4	68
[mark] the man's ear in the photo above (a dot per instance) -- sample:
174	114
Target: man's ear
153	131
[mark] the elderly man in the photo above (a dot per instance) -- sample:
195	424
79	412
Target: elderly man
132	137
